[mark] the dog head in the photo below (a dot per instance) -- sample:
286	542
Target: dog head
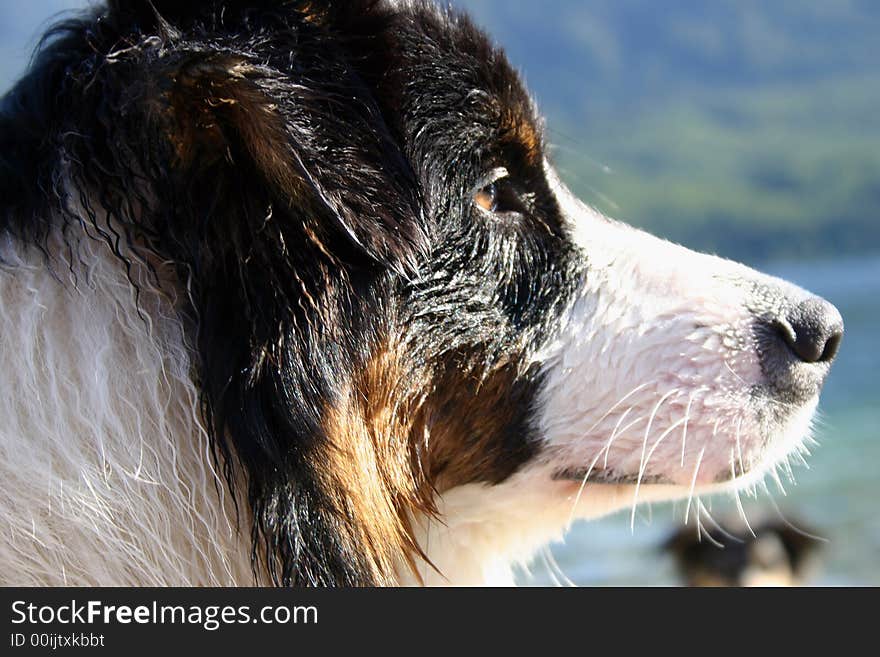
400	312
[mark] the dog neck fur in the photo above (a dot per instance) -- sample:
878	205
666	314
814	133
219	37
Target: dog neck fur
128	494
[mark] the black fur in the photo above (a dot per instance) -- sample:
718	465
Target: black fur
309	169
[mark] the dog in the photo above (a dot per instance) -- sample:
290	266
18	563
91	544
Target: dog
768	553
291	293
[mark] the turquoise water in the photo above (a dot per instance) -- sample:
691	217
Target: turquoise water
837	495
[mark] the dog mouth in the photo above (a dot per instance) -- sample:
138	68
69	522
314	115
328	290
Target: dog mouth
719	458
585	474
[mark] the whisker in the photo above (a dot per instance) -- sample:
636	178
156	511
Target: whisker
742	468
693	484
786	465
545	552
577	498
791	526
702	509
741	380
739	504
687	417
701	530
642	462
775	473
753	491
616	404
606	448
615	435
672	428
551	561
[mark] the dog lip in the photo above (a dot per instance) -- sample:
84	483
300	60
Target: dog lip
601	477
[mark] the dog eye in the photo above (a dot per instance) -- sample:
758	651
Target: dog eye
499	196
487	197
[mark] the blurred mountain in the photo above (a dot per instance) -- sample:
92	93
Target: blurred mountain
746	127
638	49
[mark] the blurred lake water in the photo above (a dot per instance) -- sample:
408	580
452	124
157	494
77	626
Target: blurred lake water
837	495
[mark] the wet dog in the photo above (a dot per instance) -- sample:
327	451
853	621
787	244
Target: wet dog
291	293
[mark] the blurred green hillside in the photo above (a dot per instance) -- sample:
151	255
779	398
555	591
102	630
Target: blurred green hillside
747	128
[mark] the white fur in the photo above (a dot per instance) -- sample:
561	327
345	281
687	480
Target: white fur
484	530
106	469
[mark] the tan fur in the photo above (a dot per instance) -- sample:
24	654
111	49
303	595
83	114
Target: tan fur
467	417
400	438
369	462
520	130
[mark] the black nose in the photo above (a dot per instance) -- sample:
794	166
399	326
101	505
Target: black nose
812	330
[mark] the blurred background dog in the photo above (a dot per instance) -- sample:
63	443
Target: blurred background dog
771	553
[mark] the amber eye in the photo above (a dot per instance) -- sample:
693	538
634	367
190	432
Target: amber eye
498	195
487	197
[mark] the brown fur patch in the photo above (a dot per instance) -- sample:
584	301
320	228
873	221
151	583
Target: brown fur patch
519	130
401	436
371	461
476	426
311	13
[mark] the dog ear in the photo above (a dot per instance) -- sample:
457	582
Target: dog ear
332	164
282	114
279	198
